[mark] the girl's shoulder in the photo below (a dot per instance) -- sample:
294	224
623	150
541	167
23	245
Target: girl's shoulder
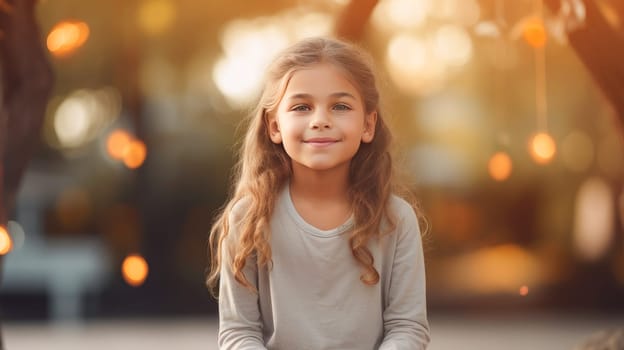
402	213
240	208
400	207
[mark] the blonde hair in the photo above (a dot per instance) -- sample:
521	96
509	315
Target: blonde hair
263	167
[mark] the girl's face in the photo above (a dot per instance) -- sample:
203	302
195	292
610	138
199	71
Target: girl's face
321	119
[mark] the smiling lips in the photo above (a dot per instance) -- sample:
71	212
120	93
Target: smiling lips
320	141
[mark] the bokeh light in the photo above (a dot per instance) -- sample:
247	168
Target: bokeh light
134	270
72	121
534	32
524	291
593	219
390	15
491	270
463	12
542	148
81	116
452	45
156	16
411	65
6	244
134	154
117	143
500	166
66	37
248	47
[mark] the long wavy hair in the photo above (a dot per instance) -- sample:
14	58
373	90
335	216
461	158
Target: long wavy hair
263	167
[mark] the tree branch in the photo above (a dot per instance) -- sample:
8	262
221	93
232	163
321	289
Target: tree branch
351	22
601	49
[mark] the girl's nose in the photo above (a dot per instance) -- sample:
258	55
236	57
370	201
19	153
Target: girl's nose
320	120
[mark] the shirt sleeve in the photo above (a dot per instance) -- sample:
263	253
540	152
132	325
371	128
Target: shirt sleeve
405	313
240	323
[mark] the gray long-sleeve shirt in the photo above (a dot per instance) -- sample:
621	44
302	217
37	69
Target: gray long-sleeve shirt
313	298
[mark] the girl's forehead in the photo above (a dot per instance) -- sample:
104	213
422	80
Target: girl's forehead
321	79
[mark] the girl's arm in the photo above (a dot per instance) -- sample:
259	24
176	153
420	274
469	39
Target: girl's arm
240	323
405	312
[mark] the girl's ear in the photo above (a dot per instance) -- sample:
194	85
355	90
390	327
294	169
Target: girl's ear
274	130
369	127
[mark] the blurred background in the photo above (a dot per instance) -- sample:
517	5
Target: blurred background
515	151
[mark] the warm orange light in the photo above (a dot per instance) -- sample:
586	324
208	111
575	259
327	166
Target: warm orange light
134	270
117	143
542	148
499	166
135	154
534	33
524	291
66	37
6	244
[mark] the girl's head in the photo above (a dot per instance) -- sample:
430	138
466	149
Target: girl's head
353	62
264	166
355	66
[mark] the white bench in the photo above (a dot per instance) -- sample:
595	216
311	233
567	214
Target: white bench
64	268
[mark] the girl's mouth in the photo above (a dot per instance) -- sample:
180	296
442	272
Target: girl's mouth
320	142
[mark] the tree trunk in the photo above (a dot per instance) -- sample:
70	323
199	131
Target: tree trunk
27	81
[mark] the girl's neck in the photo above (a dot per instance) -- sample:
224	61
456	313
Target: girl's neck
321	197
331	185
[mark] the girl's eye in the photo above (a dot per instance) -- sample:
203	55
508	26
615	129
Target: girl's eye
300	108
342	107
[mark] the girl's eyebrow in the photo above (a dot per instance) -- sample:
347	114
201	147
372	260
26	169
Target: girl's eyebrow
308	96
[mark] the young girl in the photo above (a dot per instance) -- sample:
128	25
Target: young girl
314	250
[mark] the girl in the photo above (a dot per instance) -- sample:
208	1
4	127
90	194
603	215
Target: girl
314	251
